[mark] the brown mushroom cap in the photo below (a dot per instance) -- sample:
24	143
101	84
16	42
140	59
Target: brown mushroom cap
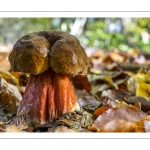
35	52
30	54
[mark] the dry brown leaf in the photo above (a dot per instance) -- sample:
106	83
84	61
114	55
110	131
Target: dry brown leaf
8	101
144	124
10	89
4	64
29	129
13	128
119	126
116	94
2	130
137	105
100	110
8	77
89	103
92	128
130	114
131	84
116	57
145	102
116	103
63	129
10	96
81	82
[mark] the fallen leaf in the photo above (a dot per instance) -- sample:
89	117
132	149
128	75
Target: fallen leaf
132	82
130	114
116	94
119	126
138	105
109	80
80	93
3	117
4	64
13	128
116	103
9	77
144	124
10	89
143	89
81	82
8	101
92	128
116	57
29	129
89	103
10	96
147	125
63	129
144	101
2	129
100	110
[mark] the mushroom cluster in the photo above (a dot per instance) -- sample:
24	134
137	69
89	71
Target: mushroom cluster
50	57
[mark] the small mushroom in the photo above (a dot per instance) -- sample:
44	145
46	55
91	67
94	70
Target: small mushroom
50	57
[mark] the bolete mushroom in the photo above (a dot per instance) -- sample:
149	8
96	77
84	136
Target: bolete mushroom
50	57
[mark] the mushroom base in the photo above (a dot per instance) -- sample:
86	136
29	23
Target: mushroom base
47	96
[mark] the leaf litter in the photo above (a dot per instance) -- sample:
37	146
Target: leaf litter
114	96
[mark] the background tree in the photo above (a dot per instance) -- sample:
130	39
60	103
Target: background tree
99	33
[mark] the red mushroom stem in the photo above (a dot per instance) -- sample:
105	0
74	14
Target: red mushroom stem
48	95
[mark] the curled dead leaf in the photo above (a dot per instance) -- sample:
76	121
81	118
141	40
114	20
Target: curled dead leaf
144	124
116	94
63	129
116	57
81	82
130	114
100	110
10	89
8	77
144	101
89	103
8	101
91	128
13	128
119	126
137	105
10	96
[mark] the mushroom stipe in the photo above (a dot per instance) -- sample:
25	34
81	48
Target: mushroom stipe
50	57
47	96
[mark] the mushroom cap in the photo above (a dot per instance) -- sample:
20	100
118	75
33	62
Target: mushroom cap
35	52
30	54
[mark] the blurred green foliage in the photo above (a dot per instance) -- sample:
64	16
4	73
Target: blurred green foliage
99	33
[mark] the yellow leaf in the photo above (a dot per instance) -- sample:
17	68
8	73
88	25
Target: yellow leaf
109	80
143	89
91	128
134	79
